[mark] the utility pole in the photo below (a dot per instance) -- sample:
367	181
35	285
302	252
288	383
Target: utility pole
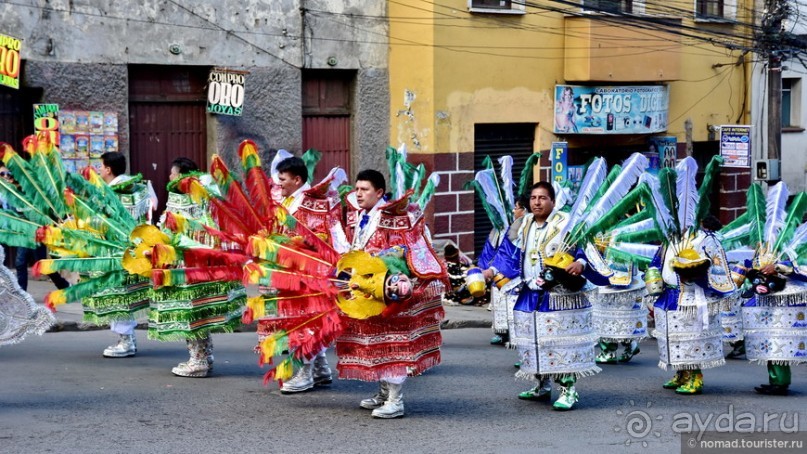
771	41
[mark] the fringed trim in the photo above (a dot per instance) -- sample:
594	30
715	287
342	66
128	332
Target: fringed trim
777	362
398	323
728	303
379	372
224	308
626	338
200	334
781	300
529	376
566	301
567	341
704	365
93	318
617	297
691	312
197	291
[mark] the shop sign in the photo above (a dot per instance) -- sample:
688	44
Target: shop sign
46	119
225	92
735	145
10	61
560	160
639	109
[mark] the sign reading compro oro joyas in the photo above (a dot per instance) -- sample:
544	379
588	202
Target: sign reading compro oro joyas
10	61
225	91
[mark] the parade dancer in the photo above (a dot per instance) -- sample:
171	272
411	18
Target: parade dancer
405	341
553	315
120	305
191	313
694	278
318	209
85	224
500	205
528	245
773	318
19	313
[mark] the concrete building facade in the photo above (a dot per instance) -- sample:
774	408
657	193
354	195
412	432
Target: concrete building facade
130	57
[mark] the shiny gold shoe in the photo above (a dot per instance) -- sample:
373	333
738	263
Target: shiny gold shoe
693	386
678	379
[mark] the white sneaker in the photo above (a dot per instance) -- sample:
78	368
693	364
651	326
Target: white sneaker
302	381
125	347
192	368
378	400
322	371
394	406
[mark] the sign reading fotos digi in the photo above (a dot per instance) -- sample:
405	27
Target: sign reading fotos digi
636	109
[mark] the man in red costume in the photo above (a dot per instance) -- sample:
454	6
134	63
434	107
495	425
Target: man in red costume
405	339
318	210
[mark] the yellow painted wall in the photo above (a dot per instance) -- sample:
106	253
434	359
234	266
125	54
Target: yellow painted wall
465	68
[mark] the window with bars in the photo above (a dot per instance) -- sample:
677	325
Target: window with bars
790	107
497	6
609	6
710	9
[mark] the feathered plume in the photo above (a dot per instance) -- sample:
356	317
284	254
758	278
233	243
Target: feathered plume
525	181
667	185
632	168
258	184
595	175
506	173
428	190
775	212
704	205
686	189
755	207
489	191
795	213
664	217
311	158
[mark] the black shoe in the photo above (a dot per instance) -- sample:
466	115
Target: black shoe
772	390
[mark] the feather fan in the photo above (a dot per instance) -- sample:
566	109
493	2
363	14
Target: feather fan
686	189
775	212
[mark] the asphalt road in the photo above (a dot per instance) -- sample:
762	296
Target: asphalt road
59	394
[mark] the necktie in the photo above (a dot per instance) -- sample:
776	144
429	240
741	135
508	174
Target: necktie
365	218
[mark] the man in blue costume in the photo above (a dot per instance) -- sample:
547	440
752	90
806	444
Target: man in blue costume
553	317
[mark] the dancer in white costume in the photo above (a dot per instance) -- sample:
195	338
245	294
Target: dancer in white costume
19	313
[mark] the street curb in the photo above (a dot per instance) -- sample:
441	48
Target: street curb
457	324
80	326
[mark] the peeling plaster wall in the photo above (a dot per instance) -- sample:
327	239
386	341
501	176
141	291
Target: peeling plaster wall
78	52
370	121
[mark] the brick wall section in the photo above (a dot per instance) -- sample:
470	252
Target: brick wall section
733	186
451	213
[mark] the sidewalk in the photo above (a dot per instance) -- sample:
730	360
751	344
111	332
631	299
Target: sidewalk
69	316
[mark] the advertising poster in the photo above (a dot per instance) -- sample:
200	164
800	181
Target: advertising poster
640	109
666	150
225	92
10	61
46	119
110	143
96	145
96	122
86	135
560	159
735	145
82	122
